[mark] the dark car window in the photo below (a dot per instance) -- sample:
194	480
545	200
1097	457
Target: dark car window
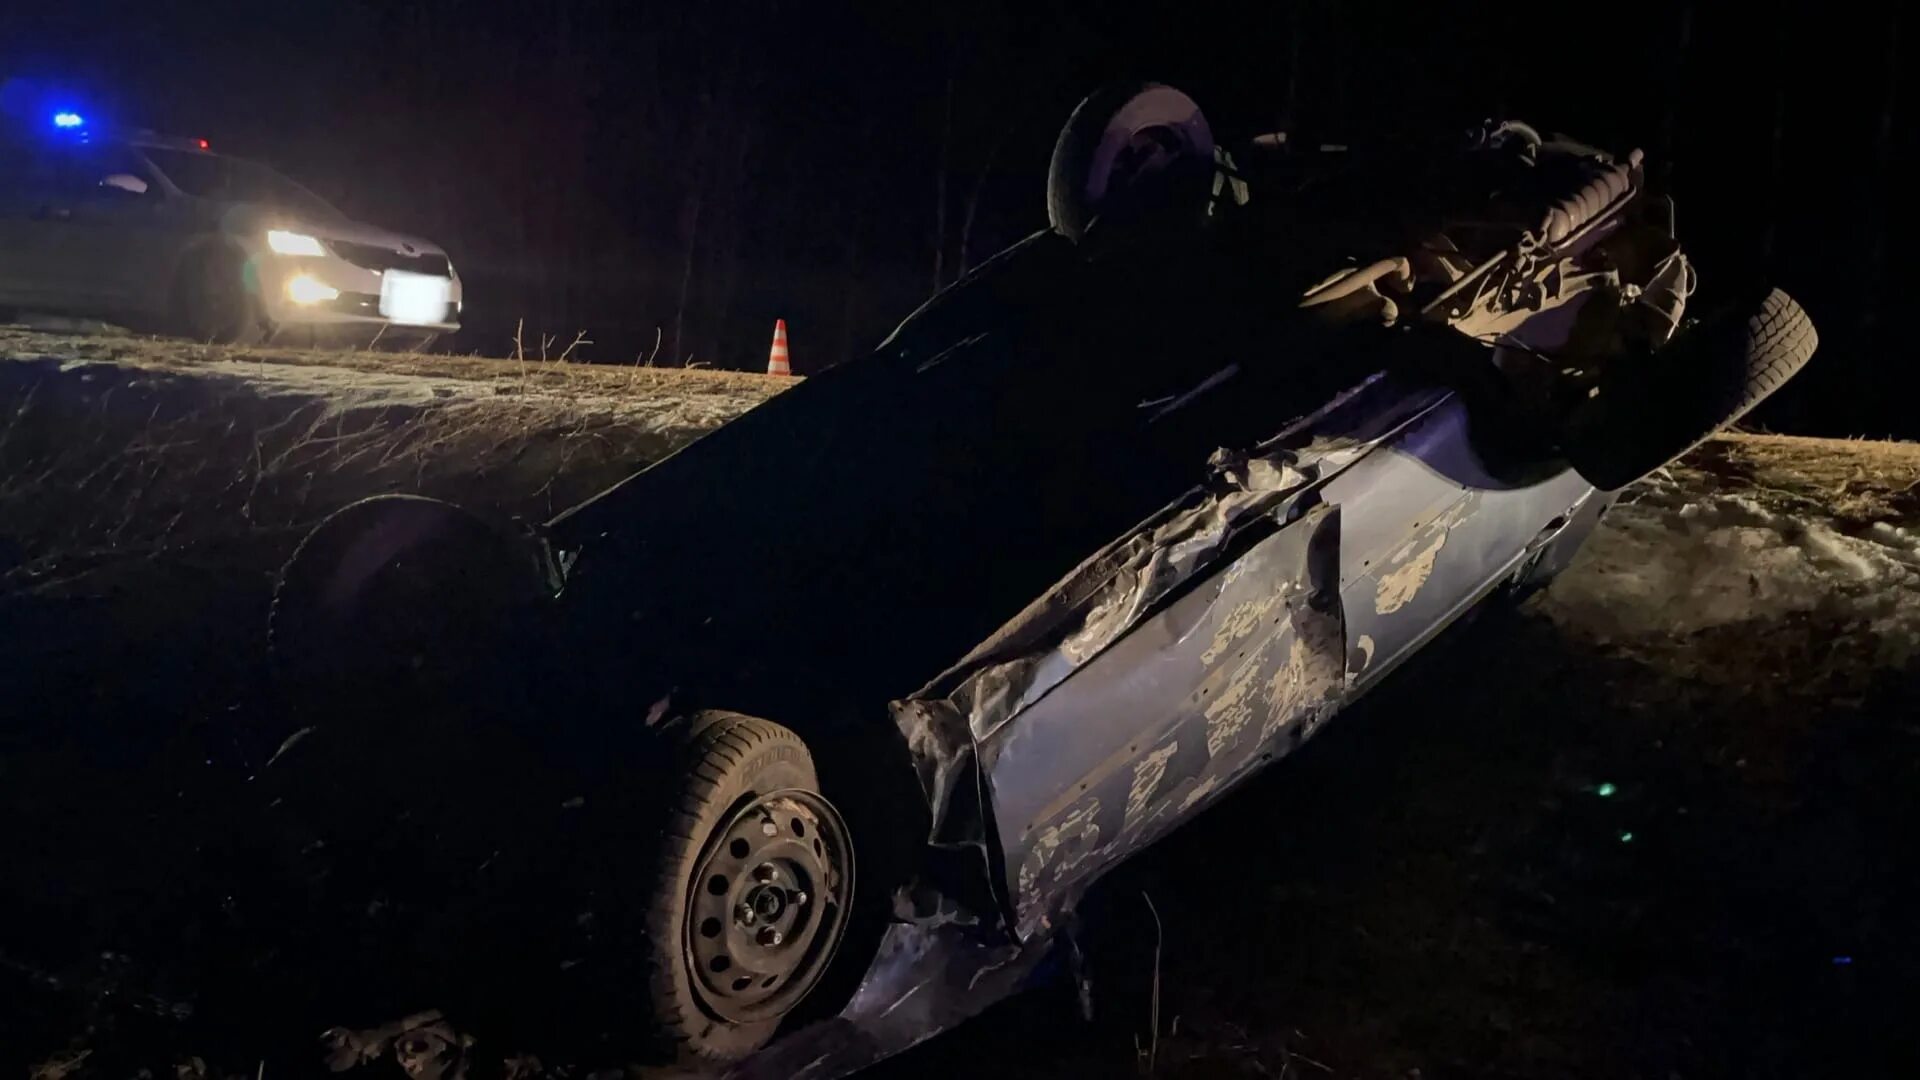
70	170
213	176
79	170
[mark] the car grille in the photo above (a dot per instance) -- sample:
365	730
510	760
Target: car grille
375	257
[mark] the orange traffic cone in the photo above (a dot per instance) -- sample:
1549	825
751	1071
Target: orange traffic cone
777	358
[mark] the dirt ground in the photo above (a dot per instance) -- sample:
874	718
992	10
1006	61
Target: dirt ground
1656	823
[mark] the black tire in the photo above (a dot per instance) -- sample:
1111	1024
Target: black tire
408	748
400	592
1651	410
735	765
1130	152
216	298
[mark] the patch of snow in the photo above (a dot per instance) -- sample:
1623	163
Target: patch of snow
1673	562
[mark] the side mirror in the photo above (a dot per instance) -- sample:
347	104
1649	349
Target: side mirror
126	182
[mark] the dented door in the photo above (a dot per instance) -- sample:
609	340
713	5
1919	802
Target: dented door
1237	670
1260	649
1428	530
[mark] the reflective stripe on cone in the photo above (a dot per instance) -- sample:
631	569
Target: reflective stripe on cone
777	363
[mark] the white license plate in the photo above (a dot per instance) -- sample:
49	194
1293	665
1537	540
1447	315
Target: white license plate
414	299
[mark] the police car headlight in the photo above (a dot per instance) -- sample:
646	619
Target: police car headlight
307	289
284	242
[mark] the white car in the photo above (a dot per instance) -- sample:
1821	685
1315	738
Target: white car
159	232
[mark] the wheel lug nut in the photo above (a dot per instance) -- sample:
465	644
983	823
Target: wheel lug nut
770	936
745	914
799	897
765	872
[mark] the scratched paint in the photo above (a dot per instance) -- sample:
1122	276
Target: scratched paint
1400	585
1077	832
1147	774
1199	791
1397	587
1230	711
1241	621
1287	685
1366	651
1307	683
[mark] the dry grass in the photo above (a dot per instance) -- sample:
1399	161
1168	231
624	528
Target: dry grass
118	448
1857	481
525	373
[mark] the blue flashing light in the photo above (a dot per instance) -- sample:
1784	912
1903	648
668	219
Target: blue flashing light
68	120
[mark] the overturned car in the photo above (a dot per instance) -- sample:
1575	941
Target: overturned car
1099	532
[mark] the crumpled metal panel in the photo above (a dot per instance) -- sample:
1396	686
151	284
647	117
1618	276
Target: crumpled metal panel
1114	601
1151	564
1075	622
1226	676
1180	659
1097	602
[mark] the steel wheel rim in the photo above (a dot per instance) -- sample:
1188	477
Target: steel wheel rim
768	905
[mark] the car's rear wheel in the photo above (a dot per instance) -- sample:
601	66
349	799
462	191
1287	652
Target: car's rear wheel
754	890
1651	409
217	298
1130	153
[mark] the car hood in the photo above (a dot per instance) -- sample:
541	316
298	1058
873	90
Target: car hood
259	217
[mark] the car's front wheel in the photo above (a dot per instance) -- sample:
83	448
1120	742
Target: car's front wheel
754	889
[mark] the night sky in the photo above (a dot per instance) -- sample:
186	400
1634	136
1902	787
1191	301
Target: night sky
688	173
